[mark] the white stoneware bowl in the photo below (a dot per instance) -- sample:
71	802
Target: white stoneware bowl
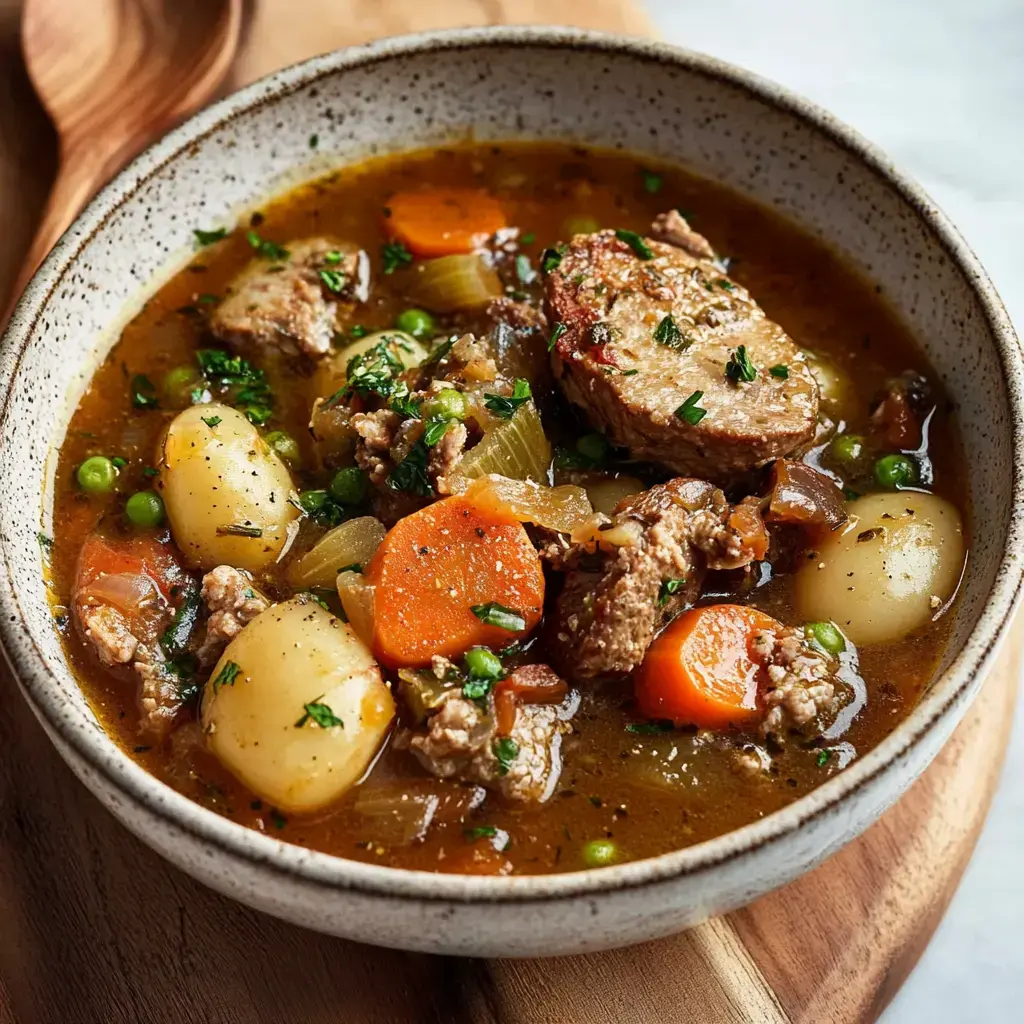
500	84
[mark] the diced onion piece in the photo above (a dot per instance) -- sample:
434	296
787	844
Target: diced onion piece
401	812
557	508
453	283
516	448
421	690
606	494
357	599
352	543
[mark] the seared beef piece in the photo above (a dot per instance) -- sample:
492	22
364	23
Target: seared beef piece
286	306
232	602
460	741
672	227
802	691
614	306
900	410
613	601
801	495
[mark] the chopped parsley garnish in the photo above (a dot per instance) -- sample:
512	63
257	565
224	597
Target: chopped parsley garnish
178	634
227	675
277	819
505	750
314	141
494	614
528	239
740	368
320	507
652	182
45	543
210	237
211	421
149	471
667	333
649	728
823	757
691	411
333	280
250	392
559	330
667	589
636	242
143	392
550	258
321	714
440	353
437	427
239	530
395	256
405	406
118	463
480	832
373	372
267	249
781	371
504	406
630	373
411	473
478	689
358	331
727	285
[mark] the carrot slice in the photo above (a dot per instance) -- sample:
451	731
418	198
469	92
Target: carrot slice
443	221
700	672
435	566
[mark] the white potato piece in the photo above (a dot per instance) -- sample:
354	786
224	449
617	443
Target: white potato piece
888	571
226	491
257	723
331	373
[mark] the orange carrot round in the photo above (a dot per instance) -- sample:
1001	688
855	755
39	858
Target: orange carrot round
442	221
435	566
700	672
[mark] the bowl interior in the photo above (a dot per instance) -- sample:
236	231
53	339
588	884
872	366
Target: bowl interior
394	96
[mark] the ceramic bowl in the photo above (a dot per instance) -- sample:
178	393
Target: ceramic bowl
500	84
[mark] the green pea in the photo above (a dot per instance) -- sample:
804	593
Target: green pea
593	447
827	636
448	404
145	508
179	383
895	471
580	224
599	853
483	664
417	322
847	448
348	486
97	475
285	445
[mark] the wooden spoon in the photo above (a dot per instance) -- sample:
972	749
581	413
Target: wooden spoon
113	75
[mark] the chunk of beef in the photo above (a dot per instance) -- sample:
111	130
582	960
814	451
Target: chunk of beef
232	602
800	495
632	369
293	306
460	741
646	568
801	691
673	228
446	455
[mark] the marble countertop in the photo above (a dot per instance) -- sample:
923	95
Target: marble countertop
938	84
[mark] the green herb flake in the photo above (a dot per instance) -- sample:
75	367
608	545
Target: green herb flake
690	411
781	371
211	421
480	832
506	751
630	373
227	675
667	589
143	392
394	256
726	284
494	614
205	238
150	472
248	389
653	182
667	333
410	475
321	714
277	819
118	463
358	331
528	239
405	406
267	249
649	728
557	333
314	141
524	269
333	280
823	757
551	258
45	543
478	689
436	428
739	368
636	242
504	406
239	530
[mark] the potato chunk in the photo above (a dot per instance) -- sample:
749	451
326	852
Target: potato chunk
296	707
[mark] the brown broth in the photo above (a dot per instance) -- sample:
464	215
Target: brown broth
651	793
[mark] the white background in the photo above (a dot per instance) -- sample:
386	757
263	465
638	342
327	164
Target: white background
939	85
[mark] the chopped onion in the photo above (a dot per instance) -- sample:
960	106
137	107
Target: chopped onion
357	599
126	591
558	508
622	535
606	494
352	543
453	283
516	448
403	810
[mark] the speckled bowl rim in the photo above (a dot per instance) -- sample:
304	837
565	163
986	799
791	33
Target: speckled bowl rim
956	685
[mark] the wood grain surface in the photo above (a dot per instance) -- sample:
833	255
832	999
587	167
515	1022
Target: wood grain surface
96	928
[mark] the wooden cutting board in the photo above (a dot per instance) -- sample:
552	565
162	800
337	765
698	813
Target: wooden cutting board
96	928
